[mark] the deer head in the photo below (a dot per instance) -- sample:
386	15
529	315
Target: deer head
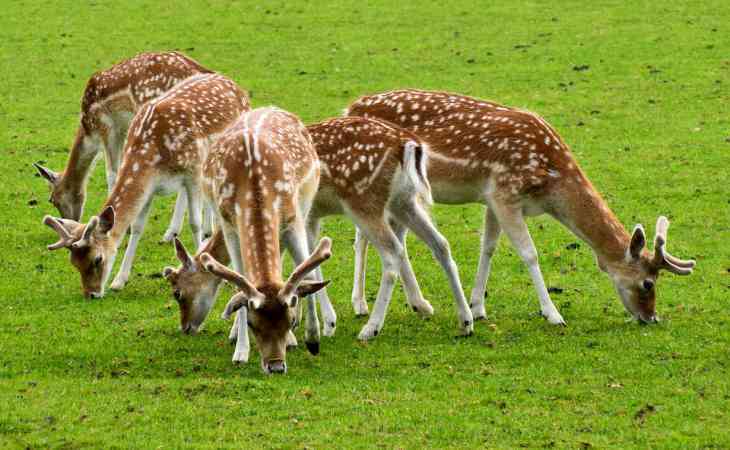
271	308
68	201
92	249
635	277
193	287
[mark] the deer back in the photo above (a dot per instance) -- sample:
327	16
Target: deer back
473	140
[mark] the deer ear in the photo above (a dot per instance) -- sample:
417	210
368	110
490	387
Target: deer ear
182	254
306	288
167	272
106	219
51	176
638	242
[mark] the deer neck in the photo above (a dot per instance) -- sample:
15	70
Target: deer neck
80	160
259	236
587	215
130	194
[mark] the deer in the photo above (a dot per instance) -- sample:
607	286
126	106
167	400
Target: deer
374	173
167	142
518	166
110	100
261	177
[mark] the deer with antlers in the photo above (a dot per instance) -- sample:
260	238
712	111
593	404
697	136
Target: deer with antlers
517	165
167	142
262	176
374	172
110	100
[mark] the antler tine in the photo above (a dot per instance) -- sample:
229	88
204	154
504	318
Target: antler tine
213	266
662	257
65	237
86	235
318	256
236	302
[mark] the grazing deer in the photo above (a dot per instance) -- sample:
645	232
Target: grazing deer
167	141
262	176
517	165
110	100
375	173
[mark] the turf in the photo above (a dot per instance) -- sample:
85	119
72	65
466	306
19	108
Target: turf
639	90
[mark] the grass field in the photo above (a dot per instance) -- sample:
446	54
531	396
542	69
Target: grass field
639	90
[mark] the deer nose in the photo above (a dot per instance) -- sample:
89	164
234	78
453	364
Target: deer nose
190	329
92	294
276	367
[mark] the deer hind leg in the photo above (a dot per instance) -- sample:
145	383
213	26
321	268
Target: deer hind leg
359	303
296	240
329	316
413	216
414	296
173	230
239	330
390	252
490	237
137	229
513	223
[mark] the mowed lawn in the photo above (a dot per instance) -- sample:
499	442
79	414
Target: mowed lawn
639	90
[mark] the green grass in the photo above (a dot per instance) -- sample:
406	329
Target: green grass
648	121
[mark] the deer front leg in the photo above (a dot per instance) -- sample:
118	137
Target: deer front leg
389	249
329	316
359	303
195	213
136	234
490	237
239	330
515	228
208	220
296	240
416	218
173	230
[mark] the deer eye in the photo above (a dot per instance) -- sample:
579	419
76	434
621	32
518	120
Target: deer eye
98	260
648	285
177	294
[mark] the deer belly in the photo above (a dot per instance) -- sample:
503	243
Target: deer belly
168	186
457	193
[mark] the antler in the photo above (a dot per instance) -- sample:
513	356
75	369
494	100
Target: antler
66	239
211	265
236	302
318	256
86	235
662	258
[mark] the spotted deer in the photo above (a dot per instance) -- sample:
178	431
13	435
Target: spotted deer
375	173
167	142
262	176
517	165
110	100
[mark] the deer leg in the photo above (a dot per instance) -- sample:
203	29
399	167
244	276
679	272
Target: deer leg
329	316
359	303
173	230
410	284
195	212
239	330
390	252
296	240
208	220
137	229
417	220
514	226
490	237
